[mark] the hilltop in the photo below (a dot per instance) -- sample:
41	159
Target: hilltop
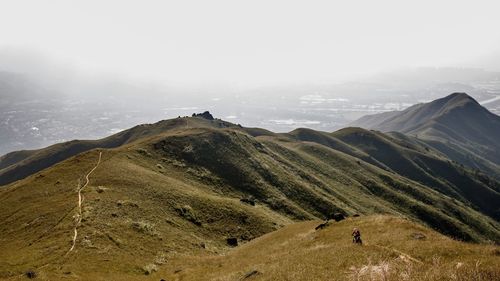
19	164
456	125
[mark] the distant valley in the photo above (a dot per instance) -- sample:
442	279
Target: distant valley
34	113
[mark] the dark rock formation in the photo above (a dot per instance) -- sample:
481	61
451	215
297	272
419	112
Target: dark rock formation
323	225
251	274
205	115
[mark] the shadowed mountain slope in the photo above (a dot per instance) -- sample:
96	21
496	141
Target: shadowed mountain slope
423	164
456	125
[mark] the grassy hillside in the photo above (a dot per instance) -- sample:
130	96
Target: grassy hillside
421	163
184	186
20	164
131	212
161	194
393	249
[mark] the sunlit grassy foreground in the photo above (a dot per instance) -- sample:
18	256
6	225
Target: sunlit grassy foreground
394	249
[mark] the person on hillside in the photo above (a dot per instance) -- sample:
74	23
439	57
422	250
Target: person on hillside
356	236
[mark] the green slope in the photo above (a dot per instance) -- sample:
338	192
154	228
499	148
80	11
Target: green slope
183	186
20	164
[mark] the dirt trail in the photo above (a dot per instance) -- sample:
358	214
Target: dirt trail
80	201
404	255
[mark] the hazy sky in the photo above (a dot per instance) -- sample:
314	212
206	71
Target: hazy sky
253	42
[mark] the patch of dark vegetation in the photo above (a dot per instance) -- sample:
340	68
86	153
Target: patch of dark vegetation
31	274
188	213
248	200
127	203
338	216
144	227
232	241
247	236
144	152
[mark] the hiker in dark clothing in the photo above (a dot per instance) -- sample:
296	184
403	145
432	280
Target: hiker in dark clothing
356	236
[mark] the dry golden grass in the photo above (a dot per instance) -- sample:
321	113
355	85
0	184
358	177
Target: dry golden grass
298	252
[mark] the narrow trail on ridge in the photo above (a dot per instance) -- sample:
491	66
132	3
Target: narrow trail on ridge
80	201
403	254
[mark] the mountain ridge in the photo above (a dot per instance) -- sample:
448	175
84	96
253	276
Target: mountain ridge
290	175
456	125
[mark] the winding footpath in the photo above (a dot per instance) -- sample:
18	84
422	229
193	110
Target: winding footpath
80	201
401	254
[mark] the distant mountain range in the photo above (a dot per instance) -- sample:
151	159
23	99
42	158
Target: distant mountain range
455	125
188	184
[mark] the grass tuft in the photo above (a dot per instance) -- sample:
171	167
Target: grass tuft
188	213
144	227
